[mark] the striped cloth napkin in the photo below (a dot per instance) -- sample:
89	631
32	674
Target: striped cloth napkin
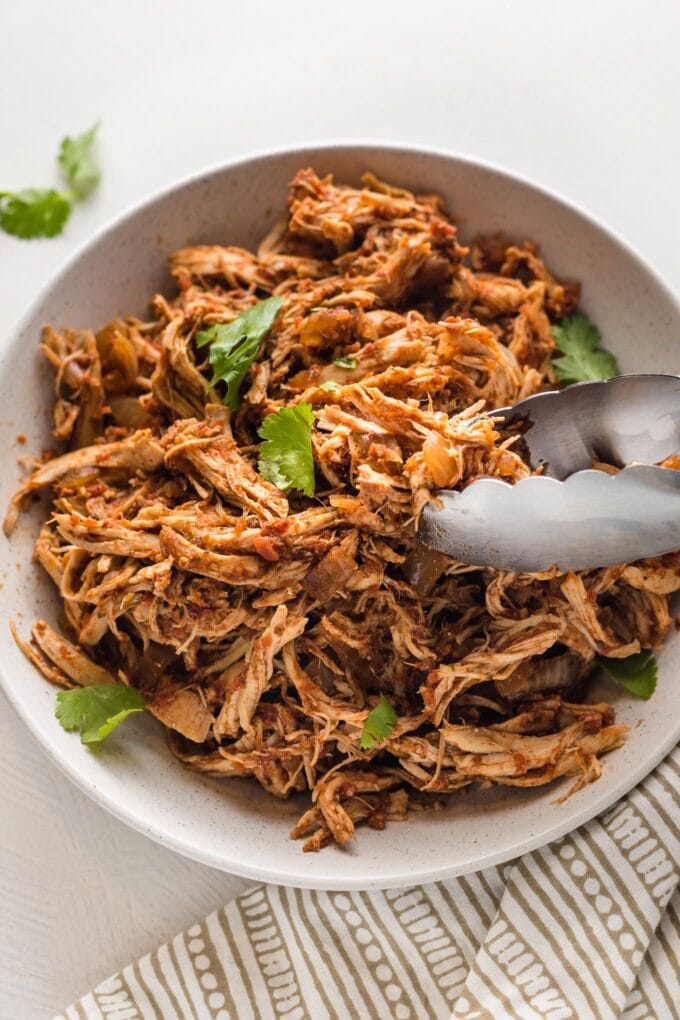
586	928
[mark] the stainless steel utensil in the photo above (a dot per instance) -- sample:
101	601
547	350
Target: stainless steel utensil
571	516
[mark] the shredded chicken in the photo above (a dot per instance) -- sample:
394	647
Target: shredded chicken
261	627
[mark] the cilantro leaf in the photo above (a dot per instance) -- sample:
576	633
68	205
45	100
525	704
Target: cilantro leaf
345	362
638	673
286	458
234	345
96	710
380	722
583	356
80	171
34	212
330	387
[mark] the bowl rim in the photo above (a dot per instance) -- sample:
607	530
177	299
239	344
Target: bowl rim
611	792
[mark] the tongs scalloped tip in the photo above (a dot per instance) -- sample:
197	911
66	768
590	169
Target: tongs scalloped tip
574	517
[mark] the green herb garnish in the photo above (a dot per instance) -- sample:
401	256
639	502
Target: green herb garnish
234	345
43	212
330	386
380	722
583	358
96	710
34	212
345	362
286	458
637	673
79	169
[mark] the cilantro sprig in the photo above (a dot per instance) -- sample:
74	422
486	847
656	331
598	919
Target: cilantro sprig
286	457
234	346
380	722
583	357
43	212
638	673
96	710
75	159
34	212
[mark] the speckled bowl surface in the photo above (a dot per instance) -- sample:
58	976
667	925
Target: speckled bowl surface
232	824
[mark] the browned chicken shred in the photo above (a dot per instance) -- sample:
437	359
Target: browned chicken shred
261	627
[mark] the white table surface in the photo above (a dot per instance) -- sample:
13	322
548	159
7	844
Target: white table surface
582	97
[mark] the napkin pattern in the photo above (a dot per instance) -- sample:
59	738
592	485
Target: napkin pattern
587	928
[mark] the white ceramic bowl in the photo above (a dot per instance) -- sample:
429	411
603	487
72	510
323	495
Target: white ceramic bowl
232	824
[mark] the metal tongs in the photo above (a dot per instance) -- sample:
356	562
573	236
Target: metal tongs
572	516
